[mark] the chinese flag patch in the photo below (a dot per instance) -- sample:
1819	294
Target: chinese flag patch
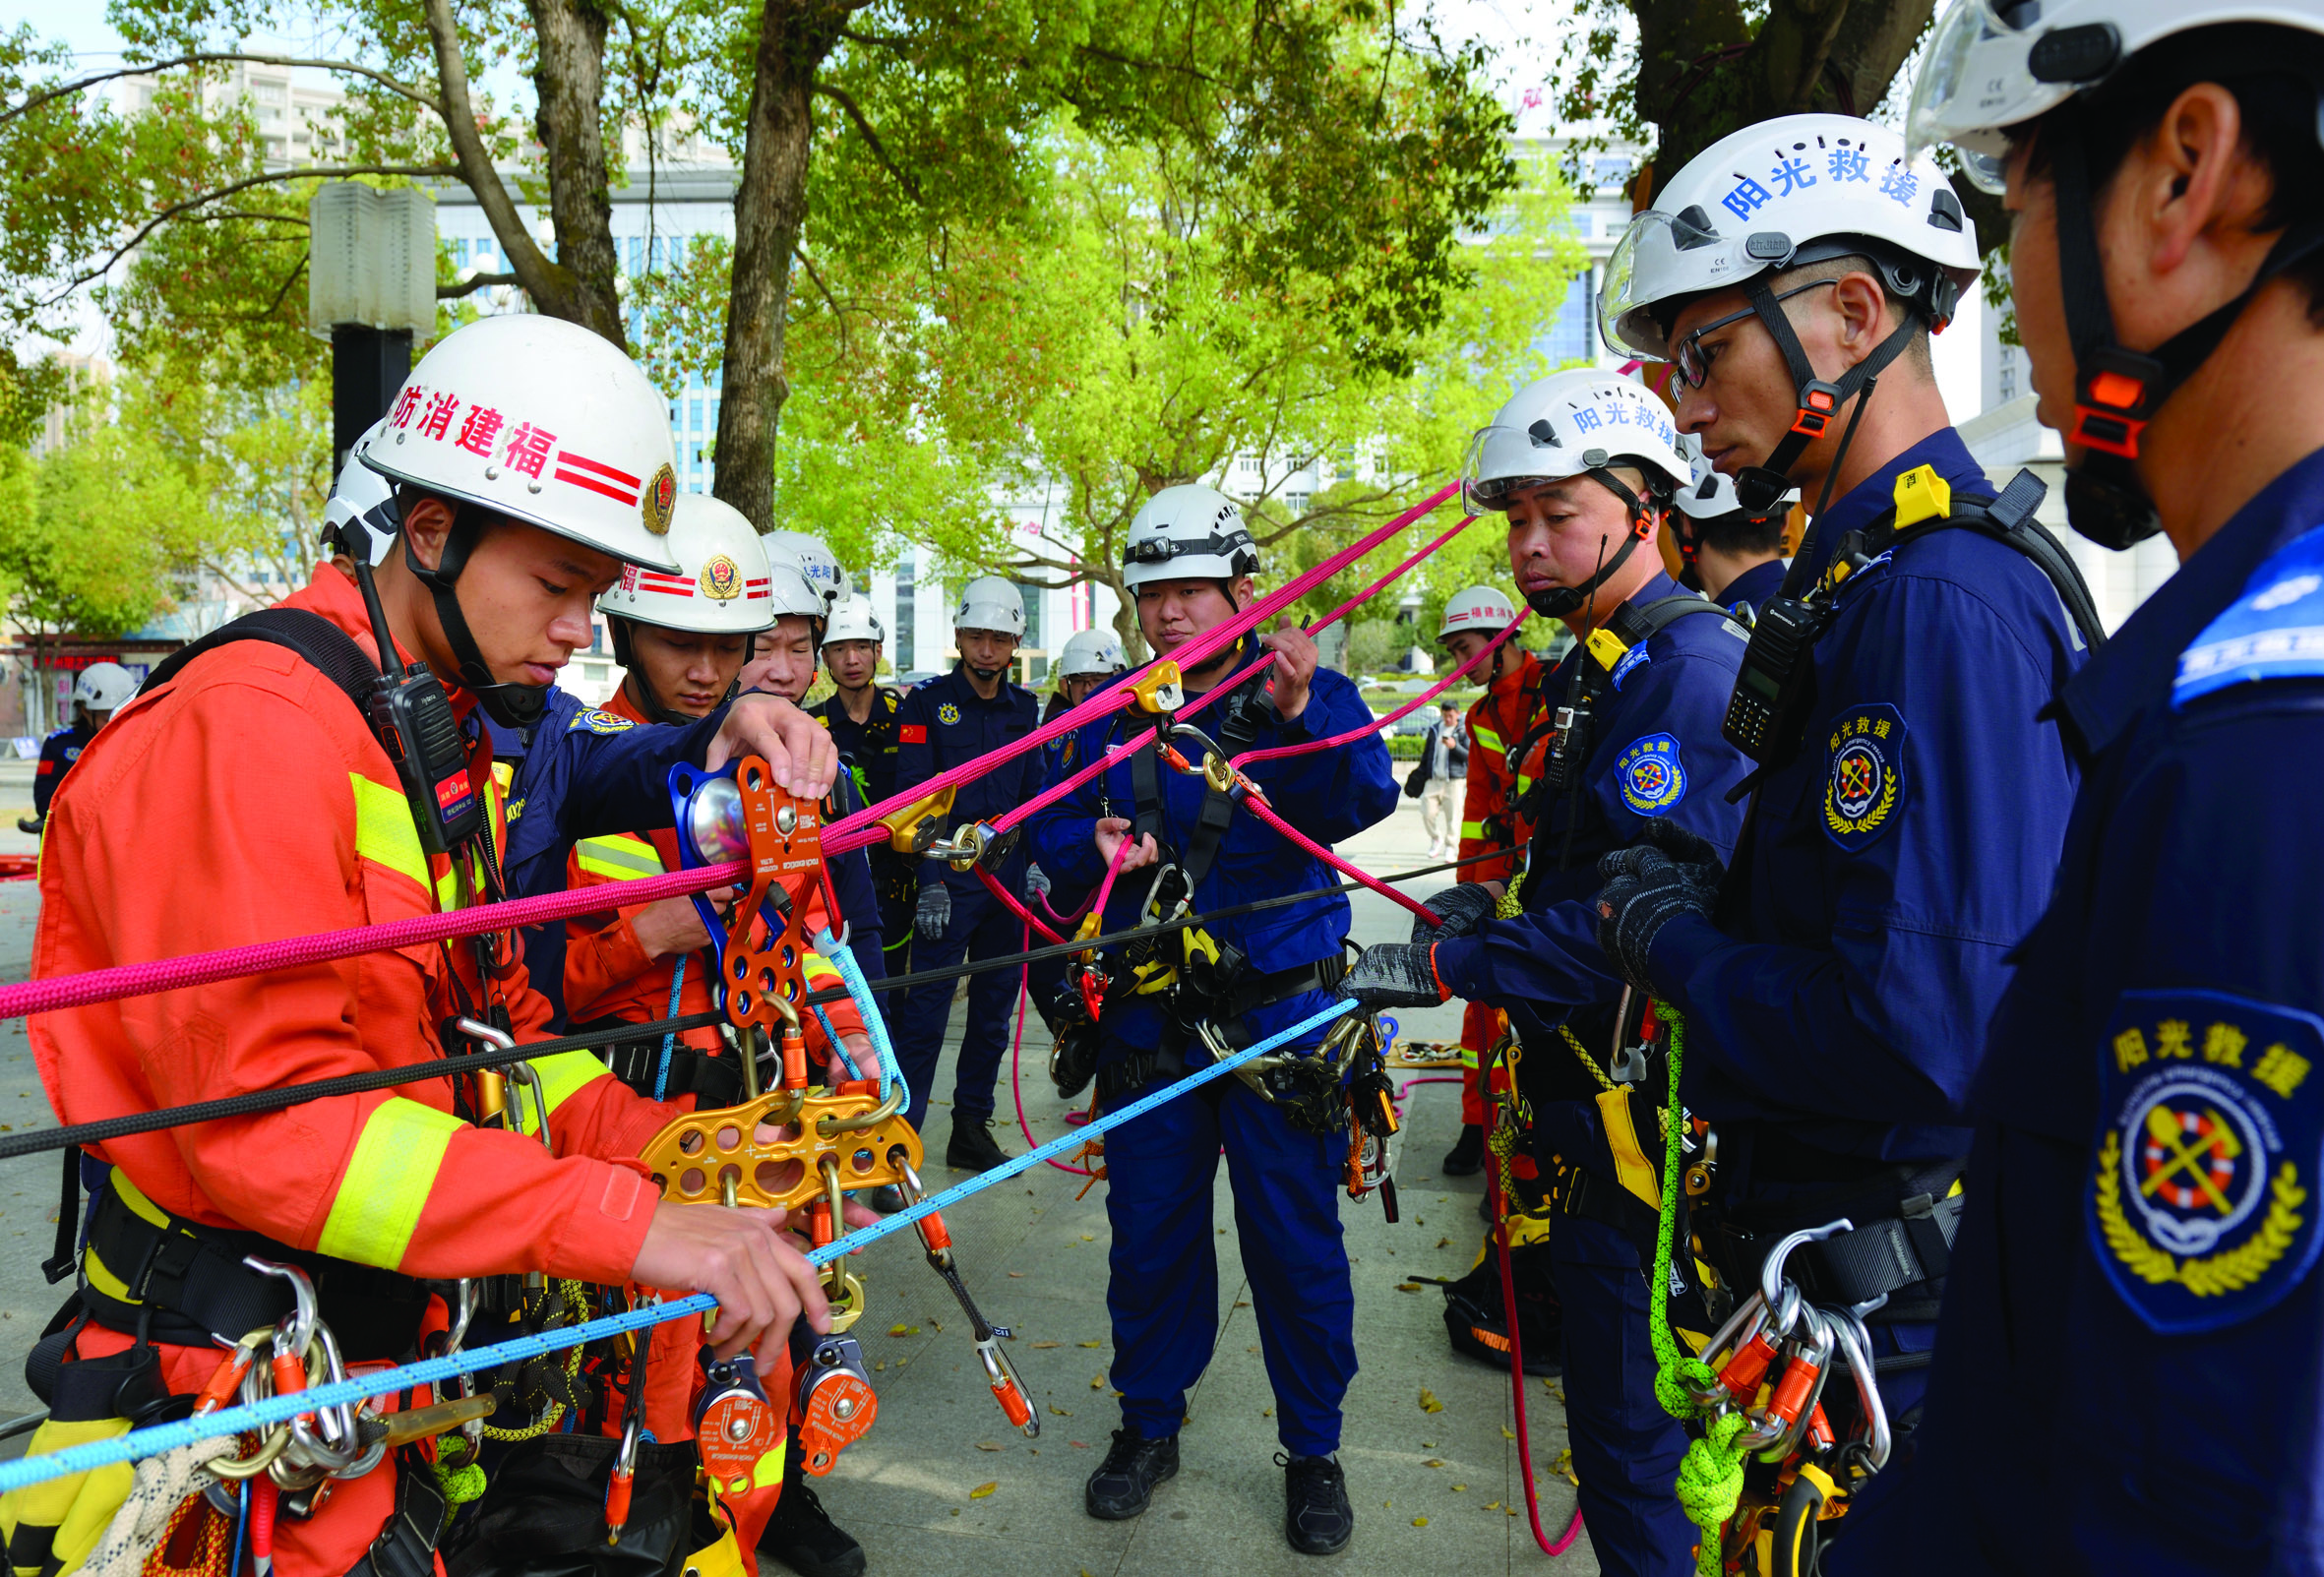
913	734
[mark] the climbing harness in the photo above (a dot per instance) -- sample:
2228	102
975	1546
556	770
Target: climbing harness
1755	1389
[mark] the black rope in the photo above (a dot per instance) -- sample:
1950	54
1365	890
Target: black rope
256	1102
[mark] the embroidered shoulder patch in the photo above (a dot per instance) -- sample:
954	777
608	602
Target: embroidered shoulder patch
947	715
2210	1133
1630	660
599	722
1863	775
1651	779
2274	631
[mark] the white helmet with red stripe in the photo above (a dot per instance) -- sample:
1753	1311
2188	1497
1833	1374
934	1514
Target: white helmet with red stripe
724	585
1480	608
544	422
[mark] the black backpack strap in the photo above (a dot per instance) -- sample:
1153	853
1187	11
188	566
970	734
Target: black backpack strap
324	645
2009	519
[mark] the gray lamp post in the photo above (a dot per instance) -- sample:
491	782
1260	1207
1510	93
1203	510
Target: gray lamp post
371	283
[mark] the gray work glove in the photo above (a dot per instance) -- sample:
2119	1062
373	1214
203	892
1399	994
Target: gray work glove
1036	882
1462	909
935	911
1663	840
1395	974
1645	888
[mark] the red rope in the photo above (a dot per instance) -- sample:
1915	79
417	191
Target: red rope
1307	747
1016	905
1016	1087
1508	1305
1266	813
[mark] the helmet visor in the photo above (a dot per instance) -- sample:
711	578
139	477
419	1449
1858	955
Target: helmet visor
1502	459
1974	83
1664	256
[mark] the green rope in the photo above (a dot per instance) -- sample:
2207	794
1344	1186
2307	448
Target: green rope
1711	1476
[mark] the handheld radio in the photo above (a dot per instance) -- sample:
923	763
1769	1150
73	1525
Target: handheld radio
414	719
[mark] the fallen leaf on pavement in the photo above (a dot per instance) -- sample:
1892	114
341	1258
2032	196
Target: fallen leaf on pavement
1430	1404
984	1489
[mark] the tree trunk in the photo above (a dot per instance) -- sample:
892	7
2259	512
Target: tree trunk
569	79
1127	629
770	210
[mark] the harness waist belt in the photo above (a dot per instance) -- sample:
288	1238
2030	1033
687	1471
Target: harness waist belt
1880	1257
714	1080
187	1285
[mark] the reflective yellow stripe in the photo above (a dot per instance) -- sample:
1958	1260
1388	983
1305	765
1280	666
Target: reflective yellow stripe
383	834
623	857
563	1074
819	968
1472	829
1485	736
387	1180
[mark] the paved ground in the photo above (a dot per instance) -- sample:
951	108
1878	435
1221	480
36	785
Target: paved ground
941	1485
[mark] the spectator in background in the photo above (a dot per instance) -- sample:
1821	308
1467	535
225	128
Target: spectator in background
102	689
1444	753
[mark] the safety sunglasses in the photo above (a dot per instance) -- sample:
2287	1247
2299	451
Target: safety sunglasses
1693	366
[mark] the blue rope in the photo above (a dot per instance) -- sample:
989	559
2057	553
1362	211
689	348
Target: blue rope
661	1077
265	1415
859	991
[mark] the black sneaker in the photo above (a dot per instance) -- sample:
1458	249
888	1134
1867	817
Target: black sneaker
972	1148
1123	1484
803	1537
1467	1158
1316	1516
888	1198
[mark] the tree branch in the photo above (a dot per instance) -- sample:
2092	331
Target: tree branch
846	101
838	314
482	281
83	84
540	275
266	178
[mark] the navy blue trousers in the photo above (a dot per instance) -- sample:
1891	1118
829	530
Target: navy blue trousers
980	929
1164	1290
1625	1447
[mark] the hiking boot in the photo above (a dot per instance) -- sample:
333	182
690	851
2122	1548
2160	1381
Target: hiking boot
803	1537
972	1148
1467	1157
1317	1517
1123	1484
888	1198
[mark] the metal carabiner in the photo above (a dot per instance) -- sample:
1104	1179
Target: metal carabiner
523	1074
1855	1346
1771	1269
1791	1403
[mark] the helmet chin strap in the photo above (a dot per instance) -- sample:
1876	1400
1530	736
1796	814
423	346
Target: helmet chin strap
1559	602
649	702
510	705
1758	487
2116	390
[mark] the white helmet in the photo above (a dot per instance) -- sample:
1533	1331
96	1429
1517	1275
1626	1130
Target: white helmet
793	586
1188	534
991	603
821	566
724	585
361	509
1567	424
1484	609
542	421
1794	190
1987	71
105	687
854	619
1092	652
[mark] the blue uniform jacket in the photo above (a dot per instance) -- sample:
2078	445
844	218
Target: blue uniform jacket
1863	935
1755	585
2134	1276
58	751
1656	753
946	722
1328	795
579	772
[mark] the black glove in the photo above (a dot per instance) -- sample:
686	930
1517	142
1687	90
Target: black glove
1462	910
1644	890
935	911
1670	841
1395	974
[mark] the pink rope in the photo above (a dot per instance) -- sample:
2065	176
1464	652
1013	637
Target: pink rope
1306	747
1016	1088
1404	1090
861	828
329	947
1015	906
1266	813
